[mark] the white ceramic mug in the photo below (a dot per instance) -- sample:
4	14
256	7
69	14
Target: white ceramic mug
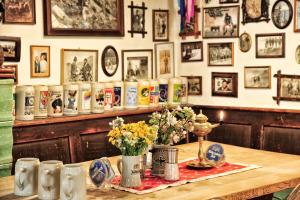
72	182
49	179
26	176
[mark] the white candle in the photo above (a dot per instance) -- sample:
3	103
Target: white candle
221	116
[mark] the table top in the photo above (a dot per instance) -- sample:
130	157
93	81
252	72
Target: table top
278	171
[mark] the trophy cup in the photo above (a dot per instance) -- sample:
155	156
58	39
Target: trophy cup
202	128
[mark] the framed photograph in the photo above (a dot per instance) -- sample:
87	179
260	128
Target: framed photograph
228	1
9	72
194	85
137	64
287	87
255	11
39	61
270	45
137	19
224	84
19	12
221	22
11	48
282	13
245	42
164	60
220	54
257	77
297	16
297	55
160	21
191	51
88	18
109	61
78	65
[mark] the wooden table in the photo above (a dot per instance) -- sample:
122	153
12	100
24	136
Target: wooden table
278	172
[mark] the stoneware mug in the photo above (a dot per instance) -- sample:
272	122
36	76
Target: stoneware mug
26	176
72	182
130	170
49	179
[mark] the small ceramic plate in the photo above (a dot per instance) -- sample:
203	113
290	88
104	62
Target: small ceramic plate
98	172
215	155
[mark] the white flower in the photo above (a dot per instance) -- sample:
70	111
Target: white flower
176	138
178	108
126	134
183	132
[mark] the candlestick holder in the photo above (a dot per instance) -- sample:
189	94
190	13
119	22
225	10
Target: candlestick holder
202	128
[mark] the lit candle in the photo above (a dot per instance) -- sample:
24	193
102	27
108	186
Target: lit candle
221	117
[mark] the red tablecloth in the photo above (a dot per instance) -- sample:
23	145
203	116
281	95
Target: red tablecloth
154	183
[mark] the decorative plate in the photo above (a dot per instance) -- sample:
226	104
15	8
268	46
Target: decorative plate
98	172
215	154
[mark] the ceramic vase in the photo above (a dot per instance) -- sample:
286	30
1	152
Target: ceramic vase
26	176
72	182
130	168
49	180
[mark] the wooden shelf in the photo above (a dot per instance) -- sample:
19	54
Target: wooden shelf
114	113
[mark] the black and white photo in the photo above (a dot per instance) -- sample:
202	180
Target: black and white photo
245	42
257	77
220	54
270	45
160	25
79	65
110	61
282	13
11	48
164	60
194	85
192	51
224	84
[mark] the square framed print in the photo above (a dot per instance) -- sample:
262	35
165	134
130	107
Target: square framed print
39	61
160	21
137	64
79	65
164	60
194	85
270	45
297	16
19	12
84	18
220	54
192	51
257	77
221	22
224	84
9	72
11	47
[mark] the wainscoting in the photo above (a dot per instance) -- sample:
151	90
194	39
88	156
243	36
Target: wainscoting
267	129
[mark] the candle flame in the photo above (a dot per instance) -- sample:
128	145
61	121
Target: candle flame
221	116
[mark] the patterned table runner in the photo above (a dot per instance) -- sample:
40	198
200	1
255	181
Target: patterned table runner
154	183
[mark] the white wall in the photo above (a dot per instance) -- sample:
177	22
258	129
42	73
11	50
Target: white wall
33	35
246	97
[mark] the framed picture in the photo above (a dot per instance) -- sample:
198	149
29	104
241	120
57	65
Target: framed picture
11	48
220	54
297	16
297	54
137	19
109	61
255	11
78	65
270	45
287	87
137	64
228	1
19	12
245	42
282	13
191	51
257	77
221	22
9	72
224	84
194	85
88	18
164	60
39	61
160	21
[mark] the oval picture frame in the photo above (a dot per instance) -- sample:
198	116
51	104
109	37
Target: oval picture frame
242	43
277	15
110	57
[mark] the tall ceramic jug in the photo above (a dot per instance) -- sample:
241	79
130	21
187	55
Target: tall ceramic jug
130	168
